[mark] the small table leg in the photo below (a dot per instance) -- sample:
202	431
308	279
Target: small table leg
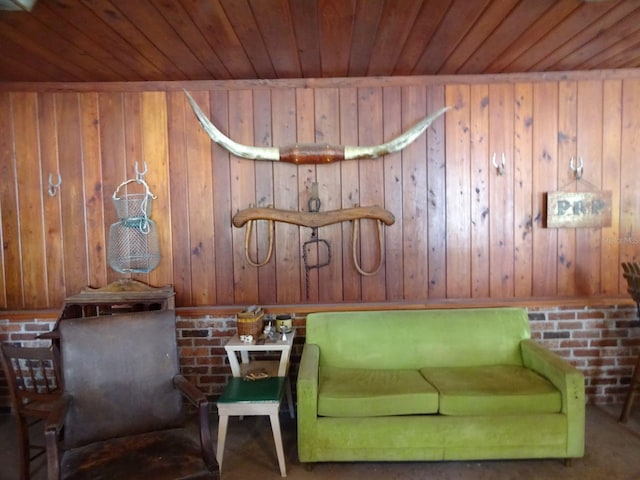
277	438
635	380
223	422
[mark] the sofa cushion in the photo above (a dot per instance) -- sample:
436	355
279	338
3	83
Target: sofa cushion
493	390
354	392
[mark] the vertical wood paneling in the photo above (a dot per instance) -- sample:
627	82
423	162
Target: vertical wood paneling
461	229
285	180
242	192
436	188
501	217
481	212
221	177
178	126
612	278
264	196
567	137
307	176
112	152
200	213
393	273
350	190
458	193
29	194
155	146
11	268
72	199
327	121
6	162
629	173
93	190
371	176
134	153
589	148
48	136
545	148
414	198
522	196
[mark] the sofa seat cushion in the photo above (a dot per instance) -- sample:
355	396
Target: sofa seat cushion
354	392
493	390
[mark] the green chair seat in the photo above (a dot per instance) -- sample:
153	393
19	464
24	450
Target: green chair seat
266	390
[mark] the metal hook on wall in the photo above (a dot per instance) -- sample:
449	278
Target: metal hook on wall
140	174
54	187
579	169
499	167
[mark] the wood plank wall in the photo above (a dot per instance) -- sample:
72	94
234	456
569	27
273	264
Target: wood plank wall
462	231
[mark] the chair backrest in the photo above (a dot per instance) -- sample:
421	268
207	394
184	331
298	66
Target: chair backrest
412	339
33	376
118	371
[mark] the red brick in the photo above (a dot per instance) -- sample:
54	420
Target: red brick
209	361
17	337
609	342
585	334
590	315
571	325
574	343
601	362
562	316
618	333
37	327
603	381
194	352
191	370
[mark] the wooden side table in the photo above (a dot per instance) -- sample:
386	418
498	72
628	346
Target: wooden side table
244	397
274	368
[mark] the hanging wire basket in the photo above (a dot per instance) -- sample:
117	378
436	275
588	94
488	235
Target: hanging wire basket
133	239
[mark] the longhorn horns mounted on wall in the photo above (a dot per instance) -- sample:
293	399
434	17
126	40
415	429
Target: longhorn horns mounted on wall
311	153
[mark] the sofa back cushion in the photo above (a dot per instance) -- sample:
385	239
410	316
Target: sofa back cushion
407	339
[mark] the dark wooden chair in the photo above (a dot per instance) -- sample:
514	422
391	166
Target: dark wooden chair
34	385
121	415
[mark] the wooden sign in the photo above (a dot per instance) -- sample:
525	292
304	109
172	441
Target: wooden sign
578	209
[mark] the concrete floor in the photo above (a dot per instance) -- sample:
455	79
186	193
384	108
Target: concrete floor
612	452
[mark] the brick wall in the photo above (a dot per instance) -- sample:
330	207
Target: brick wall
602	341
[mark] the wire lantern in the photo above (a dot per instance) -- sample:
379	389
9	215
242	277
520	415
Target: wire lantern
133	239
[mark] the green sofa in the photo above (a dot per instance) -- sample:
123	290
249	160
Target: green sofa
458	384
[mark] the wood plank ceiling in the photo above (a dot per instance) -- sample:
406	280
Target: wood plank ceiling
174	40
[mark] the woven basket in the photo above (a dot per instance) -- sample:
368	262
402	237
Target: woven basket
250	323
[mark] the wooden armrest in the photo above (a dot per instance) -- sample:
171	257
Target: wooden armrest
199	399
189	390
53	426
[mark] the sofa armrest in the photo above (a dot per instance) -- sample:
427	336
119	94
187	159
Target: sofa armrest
569	381
307	393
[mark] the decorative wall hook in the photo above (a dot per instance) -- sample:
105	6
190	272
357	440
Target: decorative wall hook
54	187
579	169
499	167
140	174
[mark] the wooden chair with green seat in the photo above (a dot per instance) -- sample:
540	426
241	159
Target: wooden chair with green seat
244	397
34	385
